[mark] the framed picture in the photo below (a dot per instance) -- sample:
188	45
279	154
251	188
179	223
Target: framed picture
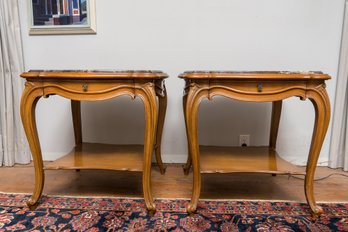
49	17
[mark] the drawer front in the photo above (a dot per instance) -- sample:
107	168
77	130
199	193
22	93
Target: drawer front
258	87
86	87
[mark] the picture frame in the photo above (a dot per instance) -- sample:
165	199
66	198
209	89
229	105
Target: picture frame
62	17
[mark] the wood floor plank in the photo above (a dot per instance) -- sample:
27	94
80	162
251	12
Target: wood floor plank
174	184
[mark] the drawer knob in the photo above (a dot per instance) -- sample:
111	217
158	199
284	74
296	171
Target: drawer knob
259	87
85	87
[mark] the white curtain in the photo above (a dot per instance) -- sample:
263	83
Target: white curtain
13	145
339	139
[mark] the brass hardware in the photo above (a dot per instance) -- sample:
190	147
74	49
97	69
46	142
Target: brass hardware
259	87
85	87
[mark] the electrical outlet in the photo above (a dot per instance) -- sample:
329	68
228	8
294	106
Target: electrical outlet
244	140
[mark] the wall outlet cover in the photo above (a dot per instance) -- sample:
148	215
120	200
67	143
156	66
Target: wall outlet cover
244	140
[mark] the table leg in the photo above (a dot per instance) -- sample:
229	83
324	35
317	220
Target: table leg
162	104
188	164
76	117
148	95
321	104
29	100
194	98
276	112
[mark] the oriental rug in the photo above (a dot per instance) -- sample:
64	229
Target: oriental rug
129	214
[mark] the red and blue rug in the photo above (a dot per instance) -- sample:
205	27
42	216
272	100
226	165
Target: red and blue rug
125	214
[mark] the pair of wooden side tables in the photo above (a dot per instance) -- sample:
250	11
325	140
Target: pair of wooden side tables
149	85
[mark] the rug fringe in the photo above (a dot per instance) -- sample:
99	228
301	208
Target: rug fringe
171	198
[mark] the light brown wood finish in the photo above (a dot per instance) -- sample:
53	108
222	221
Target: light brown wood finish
94	86
244	159
30	97
321	103
254	87
148	95
95	156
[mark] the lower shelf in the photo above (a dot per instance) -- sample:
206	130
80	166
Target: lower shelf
244	159
101	156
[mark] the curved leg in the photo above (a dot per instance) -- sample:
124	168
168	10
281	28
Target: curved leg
321	104
147	94
193	100
188	164
28	104
76	117
276	112
162	102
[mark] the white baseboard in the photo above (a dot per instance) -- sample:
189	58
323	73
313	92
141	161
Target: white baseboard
174	158
50	156
303	162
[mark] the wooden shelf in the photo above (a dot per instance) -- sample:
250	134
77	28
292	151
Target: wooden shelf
244	159
101	156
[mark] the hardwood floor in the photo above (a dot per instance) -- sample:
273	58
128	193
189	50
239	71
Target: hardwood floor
174	184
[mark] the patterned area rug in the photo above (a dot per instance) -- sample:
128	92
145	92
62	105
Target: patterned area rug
125	214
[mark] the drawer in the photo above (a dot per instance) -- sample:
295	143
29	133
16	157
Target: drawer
257	87
85	86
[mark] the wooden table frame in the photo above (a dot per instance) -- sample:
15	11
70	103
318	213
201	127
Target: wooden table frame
94	86
256	87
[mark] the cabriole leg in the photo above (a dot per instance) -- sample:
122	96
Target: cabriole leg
321	104
147	94
194	98
76	116
188	164
275	120
276	112
29	100
162	104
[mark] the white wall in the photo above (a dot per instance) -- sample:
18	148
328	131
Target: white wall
180	35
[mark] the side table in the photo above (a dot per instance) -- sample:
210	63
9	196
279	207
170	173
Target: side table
254	87
95	86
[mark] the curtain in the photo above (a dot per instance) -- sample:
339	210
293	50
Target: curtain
13	145
338	157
